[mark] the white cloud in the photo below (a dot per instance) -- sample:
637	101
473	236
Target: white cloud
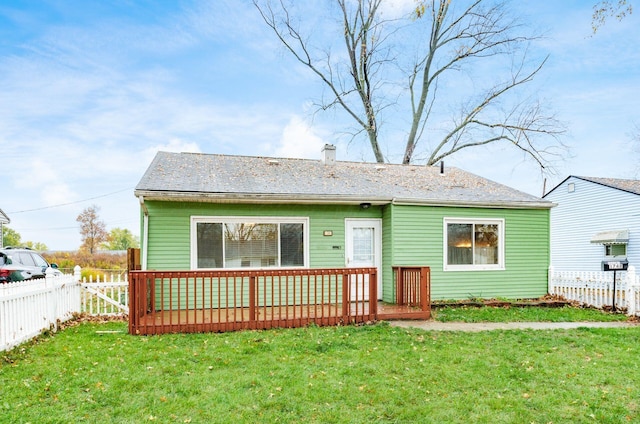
57	193
395	9
299	141
46	178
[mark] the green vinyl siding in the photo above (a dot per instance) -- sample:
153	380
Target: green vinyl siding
418	240
388	247
411	236
169	229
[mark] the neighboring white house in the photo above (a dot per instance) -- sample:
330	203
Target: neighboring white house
596	219
4	219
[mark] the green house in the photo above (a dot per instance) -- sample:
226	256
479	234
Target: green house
479	238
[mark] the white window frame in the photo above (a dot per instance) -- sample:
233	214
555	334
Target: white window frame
500	266
195	220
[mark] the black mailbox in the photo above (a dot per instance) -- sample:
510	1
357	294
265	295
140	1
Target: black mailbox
615	265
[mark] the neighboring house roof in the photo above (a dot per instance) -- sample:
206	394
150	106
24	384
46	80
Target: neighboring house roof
223	178
4	219
630	186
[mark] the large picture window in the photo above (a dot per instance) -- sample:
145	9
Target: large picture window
473	244
248	242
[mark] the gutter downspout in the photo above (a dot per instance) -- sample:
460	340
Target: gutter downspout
145	233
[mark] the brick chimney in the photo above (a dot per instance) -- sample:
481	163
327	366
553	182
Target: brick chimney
329	154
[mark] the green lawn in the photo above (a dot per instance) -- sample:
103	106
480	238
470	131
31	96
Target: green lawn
378	373
522	314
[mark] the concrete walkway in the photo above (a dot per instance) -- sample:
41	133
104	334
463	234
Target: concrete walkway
431	325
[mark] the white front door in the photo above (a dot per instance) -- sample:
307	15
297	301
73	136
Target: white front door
364	250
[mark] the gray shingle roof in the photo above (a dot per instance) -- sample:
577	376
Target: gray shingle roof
632	186
212	177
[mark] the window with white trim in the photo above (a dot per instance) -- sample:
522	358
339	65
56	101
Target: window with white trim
473	244
248	242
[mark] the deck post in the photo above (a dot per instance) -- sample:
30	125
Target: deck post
425	285
149	294
133	307
399	285
373	295
252	301
345	298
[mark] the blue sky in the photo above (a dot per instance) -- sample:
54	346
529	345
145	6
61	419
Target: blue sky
91	90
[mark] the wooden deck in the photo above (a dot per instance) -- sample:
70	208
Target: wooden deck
165	302
221	320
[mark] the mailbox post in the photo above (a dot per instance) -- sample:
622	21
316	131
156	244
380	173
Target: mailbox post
615	265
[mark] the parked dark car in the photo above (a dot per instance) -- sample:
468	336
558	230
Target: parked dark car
18	264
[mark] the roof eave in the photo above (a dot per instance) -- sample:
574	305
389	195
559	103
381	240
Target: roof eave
4	219
261	198
258	198
478	204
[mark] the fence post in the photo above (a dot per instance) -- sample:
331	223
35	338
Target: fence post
52	296
77	277
632	290
550	284
77	273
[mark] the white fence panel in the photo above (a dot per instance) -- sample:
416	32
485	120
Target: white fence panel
27	308
107	297
595	288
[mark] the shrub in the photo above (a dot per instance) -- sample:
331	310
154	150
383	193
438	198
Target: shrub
96	263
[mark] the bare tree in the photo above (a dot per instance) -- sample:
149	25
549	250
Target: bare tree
450	42
606	9
92	229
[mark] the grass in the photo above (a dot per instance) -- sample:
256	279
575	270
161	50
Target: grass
378	373
522	314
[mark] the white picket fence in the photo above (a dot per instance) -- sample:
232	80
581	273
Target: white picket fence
106	297
27	308
595	288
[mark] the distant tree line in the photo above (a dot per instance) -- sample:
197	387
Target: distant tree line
93	265
92	231
11	237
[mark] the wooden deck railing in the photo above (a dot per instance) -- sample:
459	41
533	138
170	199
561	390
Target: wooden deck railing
413	290
203	301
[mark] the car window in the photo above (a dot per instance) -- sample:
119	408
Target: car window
25	259
39	260
2	259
